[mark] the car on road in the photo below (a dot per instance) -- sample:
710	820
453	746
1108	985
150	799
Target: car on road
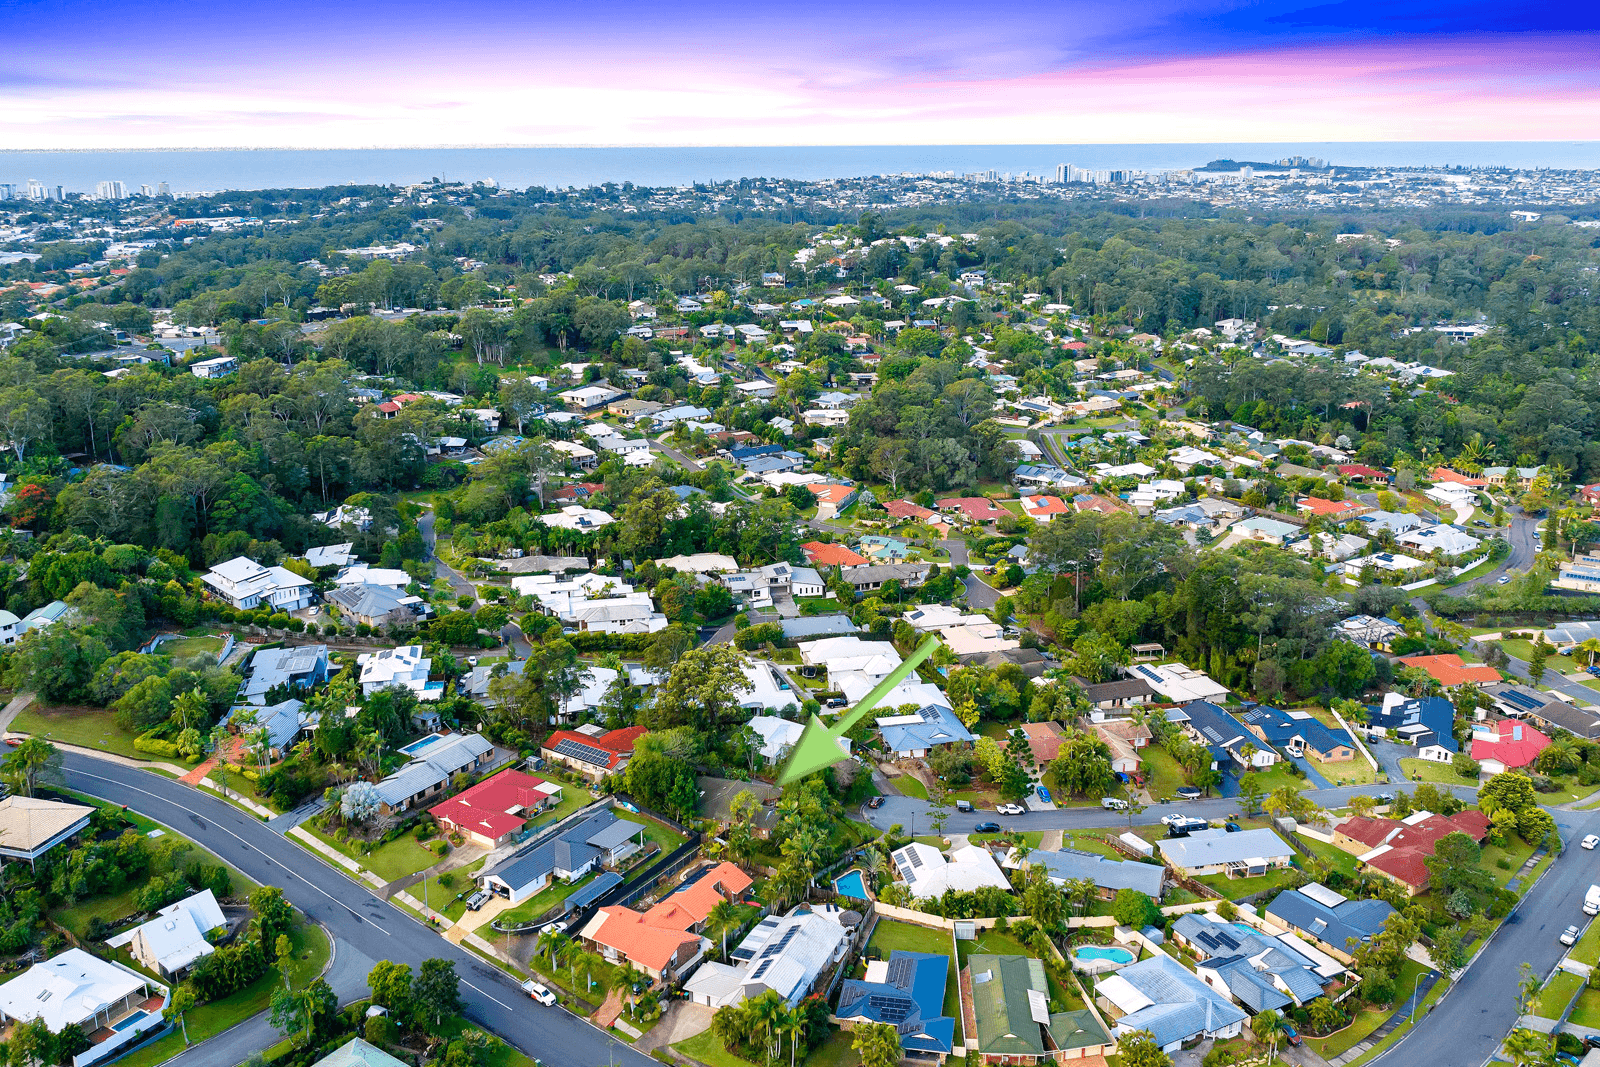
1504	579
1010	809
1569	936
875	802
1385	798
538	992
986	828
1188	792
1291	1036
1591	841
1172	820
472	661
1042	793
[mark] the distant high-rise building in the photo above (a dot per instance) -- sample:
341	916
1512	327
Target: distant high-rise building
147	190
112	190
56	192
8	191
162	190
35	189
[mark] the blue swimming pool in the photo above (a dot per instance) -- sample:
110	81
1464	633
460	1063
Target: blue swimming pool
851	884
1103	952
130	1020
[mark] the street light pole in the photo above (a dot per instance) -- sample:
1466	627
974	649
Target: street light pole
1414	986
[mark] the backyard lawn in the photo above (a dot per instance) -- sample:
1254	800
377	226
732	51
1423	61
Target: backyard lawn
1335	857
1163	776
185	647
401	857
888	936
311	952
995	943
573	797
1276	777
1587	1011
85	727
1236	888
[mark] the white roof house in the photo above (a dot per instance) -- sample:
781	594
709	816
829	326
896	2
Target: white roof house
928	873
1178	683
1205	850
246	584
361	574
330	555
577	517
787	954
1451	540
78	988
769	688
404	666
171	942
778	736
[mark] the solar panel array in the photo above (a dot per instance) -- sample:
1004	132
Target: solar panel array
888	1008
588	753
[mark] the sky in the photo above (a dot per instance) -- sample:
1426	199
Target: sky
160	74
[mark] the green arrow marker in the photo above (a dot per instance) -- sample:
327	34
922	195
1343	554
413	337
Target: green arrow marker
819	745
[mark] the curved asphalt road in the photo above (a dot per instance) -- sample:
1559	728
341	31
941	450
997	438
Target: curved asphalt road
364	928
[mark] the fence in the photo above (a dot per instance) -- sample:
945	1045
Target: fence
1356	737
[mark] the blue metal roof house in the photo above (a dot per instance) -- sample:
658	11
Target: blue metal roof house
907	992
1297	735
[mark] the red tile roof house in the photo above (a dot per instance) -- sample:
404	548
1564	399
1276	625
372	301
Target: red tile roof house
494	810
1449	671
1044	508
905	509
832	499
1365	473
1337	509
1044	740
974	508
1399	849
1445	474
822	554
1506	744
577	491
594	756
665	941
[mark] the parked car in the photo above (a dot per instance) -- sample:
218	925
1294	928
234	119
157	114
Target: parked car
554	928
1173	819
837	702
1590	841
478	900
1504	579
1593	670
1010	809
963	805
875	802
472	661
1231	827
986	828
1291	1036
1385	798
1113	804
538	992
1569	936
1043	794
1188	792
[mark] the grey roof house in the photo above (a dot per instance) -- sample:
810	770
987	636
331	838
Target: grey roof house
429	774
1245	854
1332	919
569	854
305	666
1108	875
1159	995
1260	972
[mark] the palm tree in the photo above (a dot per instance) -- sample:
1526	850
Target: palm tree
549	944
588	961
1268	1027
793	1023
723	918
623	980
766	1011
1591	646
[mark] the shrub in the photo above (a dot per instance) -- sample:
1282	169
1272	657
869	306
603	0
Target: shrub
155	745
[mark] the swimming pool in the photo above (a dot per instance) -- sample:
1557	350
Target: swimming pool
1103	952
419	745
131	1020
851	884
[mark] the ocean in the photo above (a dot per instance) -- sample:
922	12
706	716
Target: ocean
560	167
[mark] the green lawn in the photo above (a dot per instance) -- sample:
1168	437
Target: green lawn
401	857
311	952
1370	1019
705	1048
1428	771
186	647
86	727
888	936
667	838
1335	857
1163	776
836	1050
1587	950
437	894
573	797
1554	997
1347	772
910	786
1516	854
1234	888
1587	1011
1276	777
539	903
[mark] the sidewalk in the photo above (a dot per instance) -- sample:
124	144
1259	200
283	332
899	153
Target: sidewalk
338	858
1401	1014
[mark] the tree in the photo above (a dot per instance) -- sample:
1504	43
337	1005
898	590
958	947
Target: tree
1268	1026
1529	1048
299	1013
703	688
1511	790
183	998
1133	908
1250	793
437	992
1455	865
723	918
1537	659
390	984
877	1044
1139	1049
29	761
273	916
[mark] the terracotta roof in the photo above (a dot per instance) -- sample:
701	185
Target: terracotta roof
627	931
1410	845
1518	745
976	508
1450	671
1044	505
831	555
685	908
1357	470
618	743
905	509
1044	740
828	493
486	807
1445	474
1327	507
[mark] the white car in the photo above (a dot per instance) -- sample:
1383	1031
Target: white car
1173	820
472	661
1590	841
1504	579
1569	935
538	992
556	927
1010	809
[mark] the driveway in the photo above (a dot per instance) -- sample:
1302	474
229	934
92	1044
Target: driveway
459	585
660	445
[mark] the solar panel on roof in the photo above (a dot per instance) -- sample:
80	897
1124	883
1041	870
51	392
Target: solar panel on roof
889	1009
578	750
761	969
915	857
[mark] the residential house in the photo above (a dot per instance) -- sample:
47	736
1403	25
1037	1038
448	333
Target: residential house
1338	510
1263	973
927	873
598	840
1124	738
1044	740
1509	744
284	722
216	367
495	810
913	736
1399	849
1299	733
377	605
832	499
1044	508
665	942
1110	876
1328	546
1374	633
906	510
577	518
358	1053
1426	722
1579	575
246	584
593	755
1519	478
579	456
1451	540
1545	709
1449	671
431	770
823	417
361	574
905	991
976	509
1337	923
1177	683
1007	998
1396	522
589	397
404	666
170	943
32	826
787	954
1246	854
1115	695
870	577
330	555
113	1005
297	667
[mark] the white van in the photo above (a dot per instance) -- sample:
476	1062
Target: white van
1591	901
1113	804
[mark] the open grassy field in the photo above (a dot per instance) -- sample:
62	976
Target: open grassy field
186	647
85	727
401	857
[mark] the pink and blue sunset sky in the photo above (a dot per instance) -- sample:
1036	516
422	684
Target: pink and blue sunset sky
162	74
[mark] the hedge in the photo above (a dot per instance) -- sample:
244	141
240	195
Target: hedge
156	745
590	641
